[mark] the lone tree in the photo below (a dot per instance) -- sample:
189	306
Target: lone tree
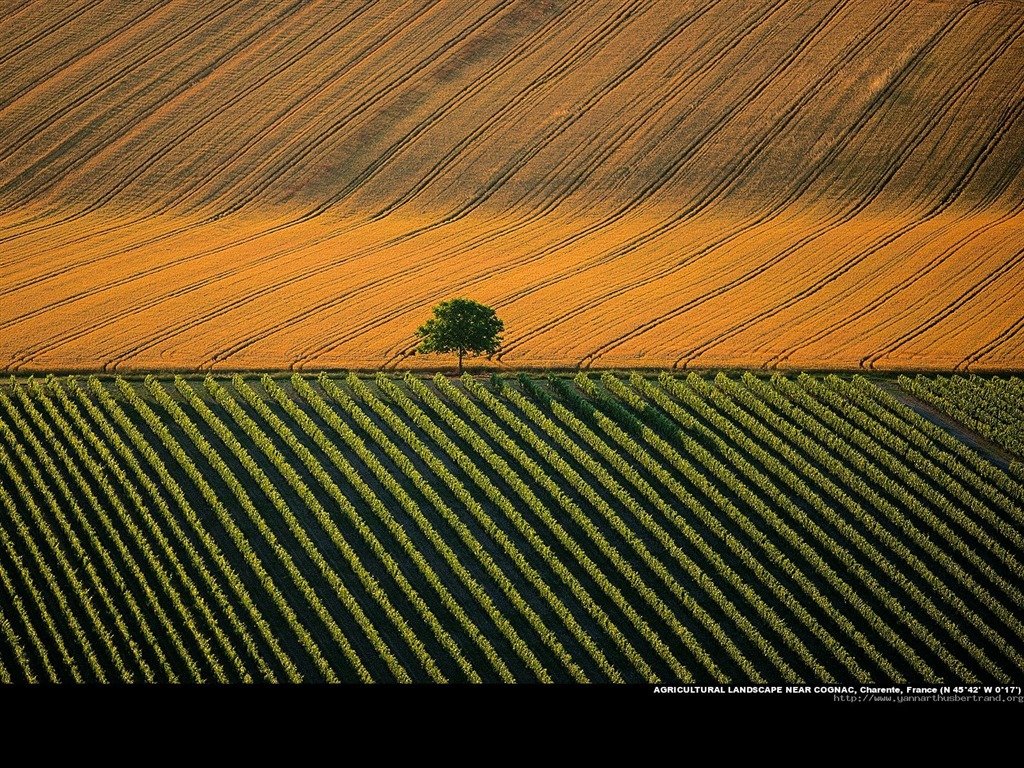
461	325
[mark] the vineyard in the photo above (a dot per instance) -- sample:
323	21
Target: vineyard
242	185
991	407
598	528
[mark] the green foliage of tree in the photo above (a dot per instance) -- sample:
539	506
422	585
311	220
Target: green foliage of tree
461	326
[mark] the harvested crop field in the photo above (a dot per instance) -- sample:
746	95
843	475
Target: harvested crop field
630	183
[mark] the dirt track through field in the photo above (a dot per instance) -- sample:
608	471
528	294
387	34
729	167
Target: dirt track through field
630	183
985	447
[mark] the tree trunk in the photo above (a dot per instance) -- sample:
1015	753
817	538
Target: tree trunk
461	353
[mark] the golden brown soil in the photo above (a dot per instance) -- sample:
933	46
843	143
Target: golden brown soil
242	184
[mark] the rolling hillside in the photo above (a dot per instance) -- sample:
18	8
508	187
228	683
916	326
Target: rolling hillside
630	183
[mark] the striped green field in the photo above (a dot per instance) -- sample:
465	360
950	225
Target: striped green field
605	528
992	407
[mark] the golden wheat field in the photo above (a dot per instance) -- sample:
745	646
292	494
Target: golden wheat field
243	184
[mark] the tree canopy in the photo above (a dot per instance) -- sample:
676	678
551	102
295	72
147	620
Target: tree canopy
461	326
